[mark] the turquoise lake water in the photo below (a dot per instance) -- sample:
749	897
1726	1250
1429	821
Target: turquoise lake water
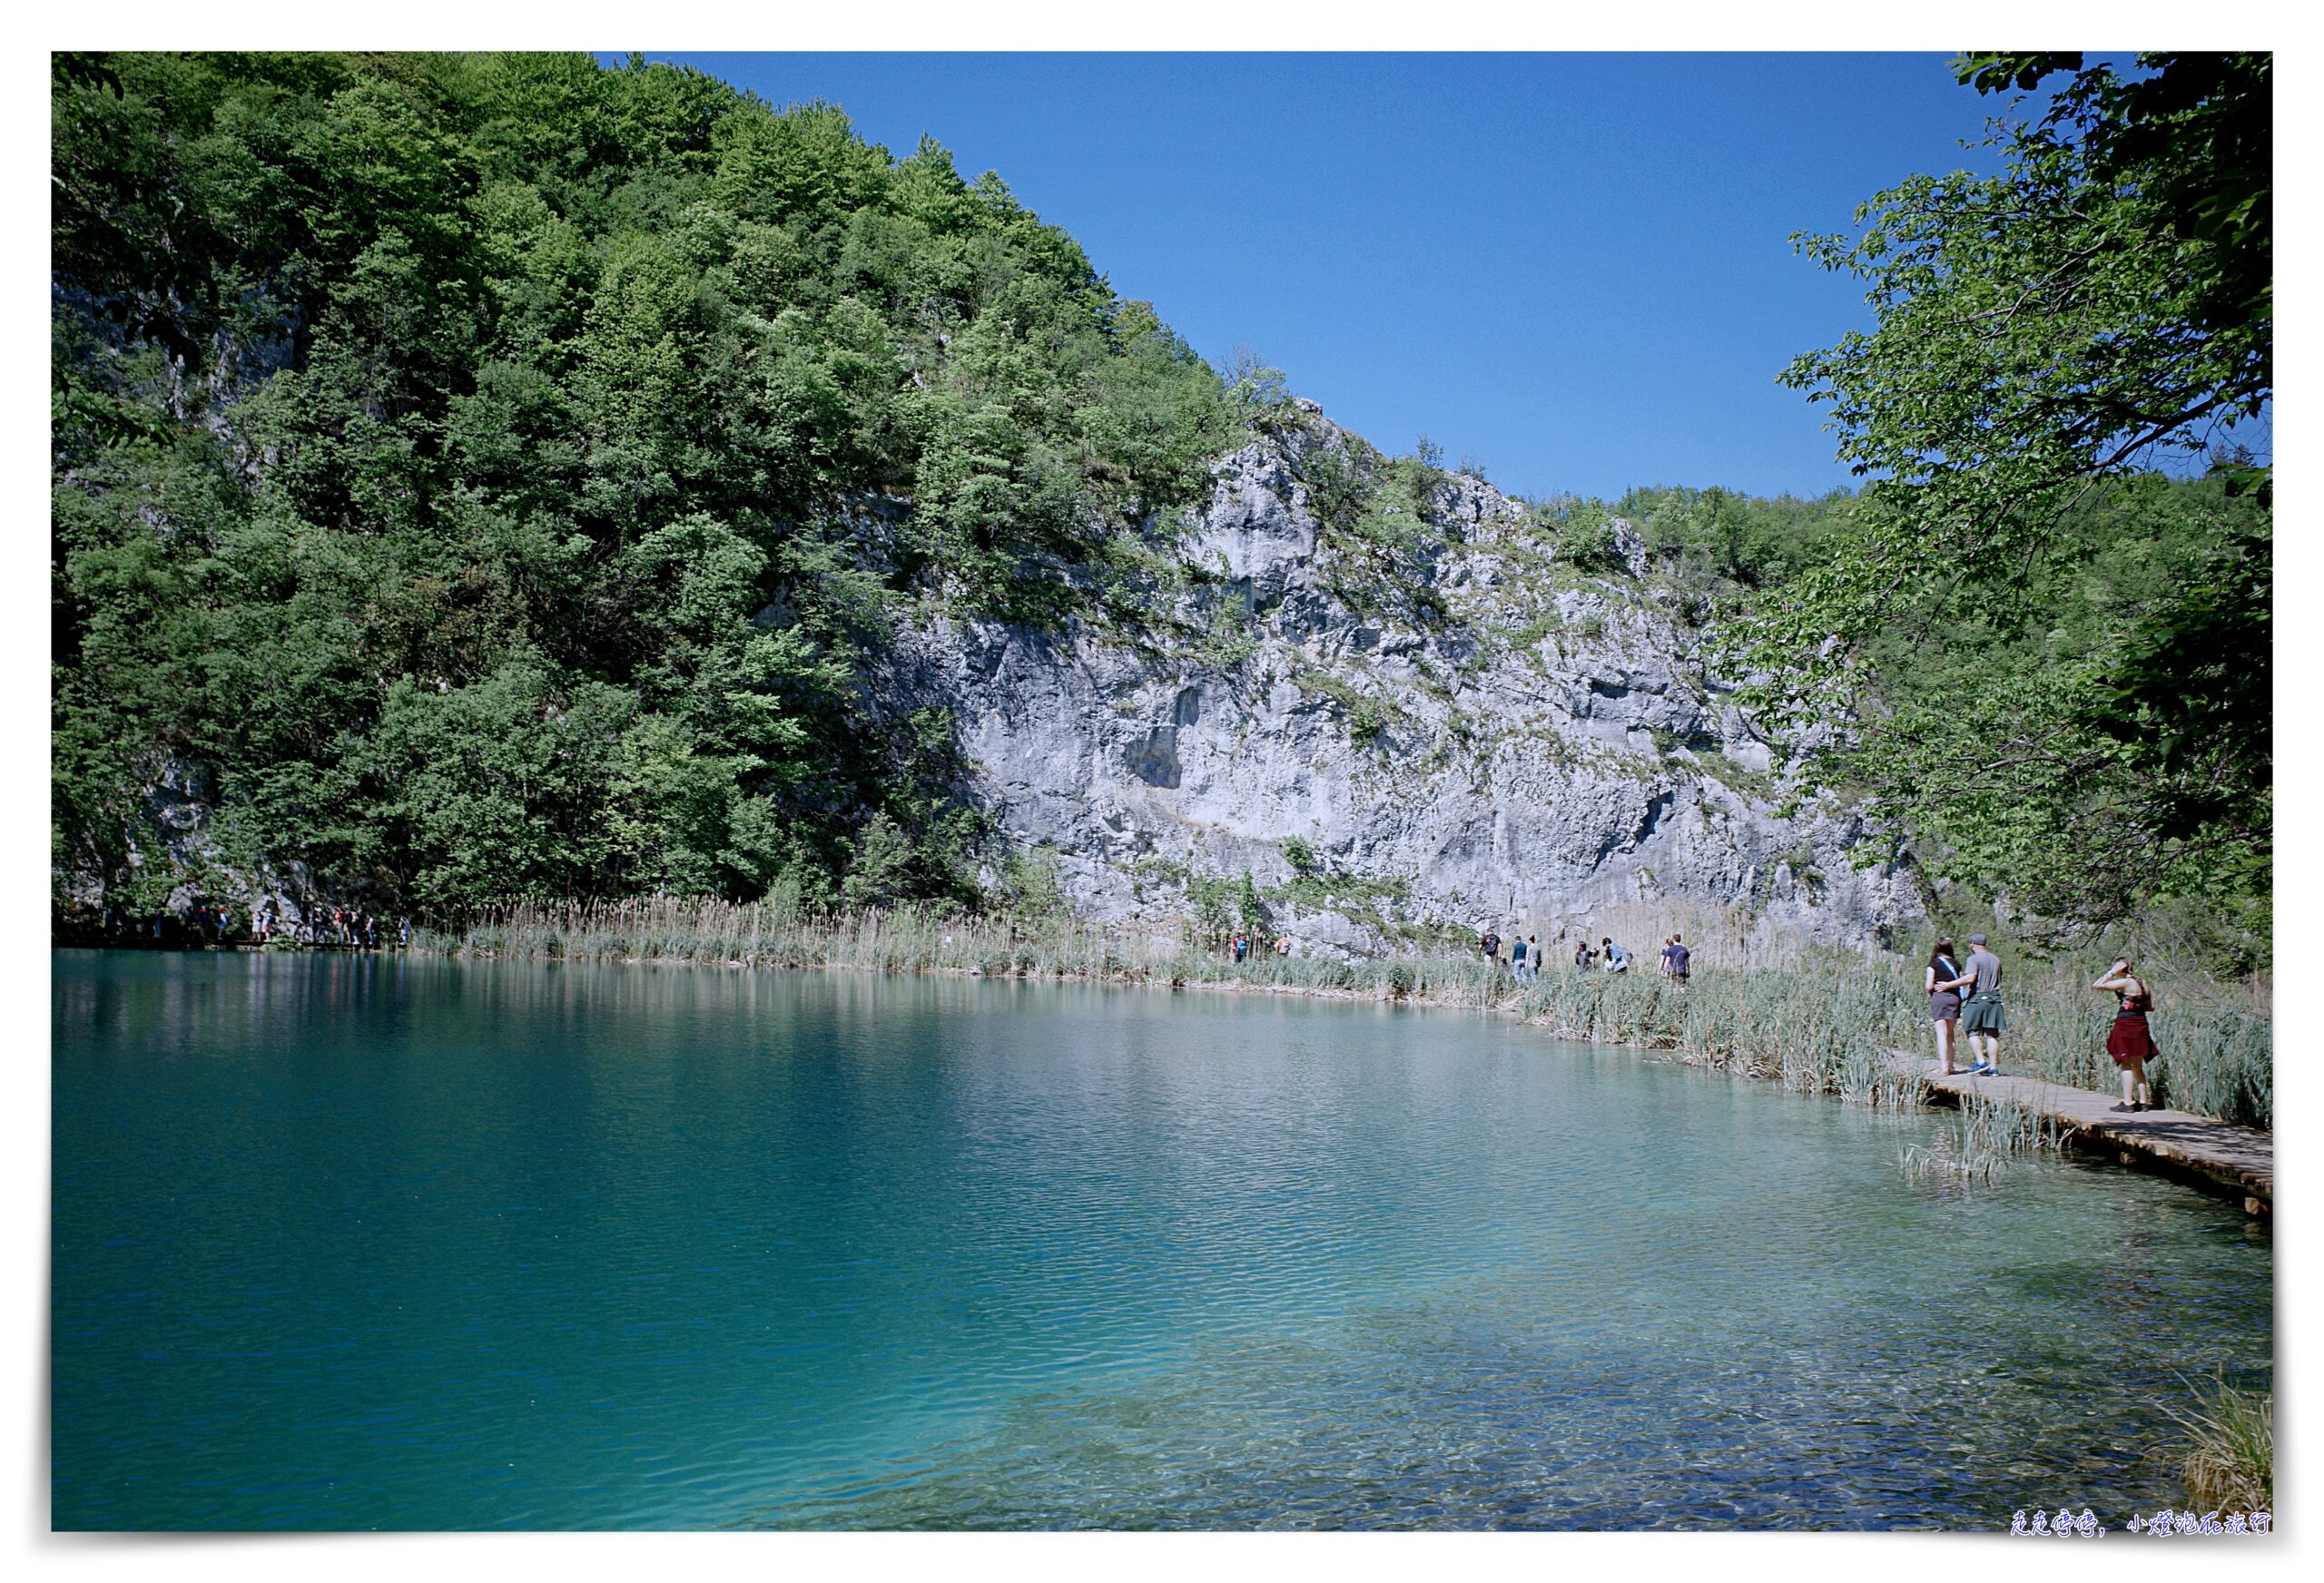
372	1243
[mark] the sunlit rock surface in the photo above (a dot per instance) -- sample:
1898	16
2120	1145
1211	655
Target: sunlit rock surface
1549	744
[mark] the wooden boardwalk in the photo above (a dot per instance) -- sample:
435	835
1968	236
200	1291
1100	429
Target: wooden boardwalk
2234	1162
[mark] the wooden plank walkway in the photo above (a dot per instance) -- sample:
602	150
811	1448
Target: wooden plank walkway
2235	1161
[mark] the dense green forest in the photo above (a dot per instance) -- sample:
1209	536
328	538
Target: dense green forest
497	474
492	469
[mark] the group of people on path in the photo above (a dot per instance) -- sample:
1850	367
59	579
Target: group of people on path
1526	955
211	924
1978	1013
341	926
1242	945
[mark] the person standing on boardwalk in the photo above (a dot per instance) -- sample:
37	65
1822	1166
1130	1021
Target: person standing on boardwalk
2130	1041
1981	1017
1943	987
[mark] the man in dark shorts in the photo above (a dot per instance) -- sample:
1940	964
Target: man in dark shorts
1981	1017
1678	954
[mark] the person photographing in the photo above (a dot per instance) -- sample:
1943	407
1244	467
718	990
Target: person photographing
2130	1041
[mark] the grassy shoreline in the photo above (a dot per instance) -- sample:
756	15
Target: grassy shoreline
1816	1019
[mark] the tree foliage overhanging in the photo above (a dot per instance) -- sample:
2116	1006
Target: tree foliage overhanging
2064	672
490	470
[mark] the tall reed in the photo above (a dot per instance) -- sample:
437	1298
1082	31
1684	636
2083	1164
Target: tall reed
1977	1142
2232	1465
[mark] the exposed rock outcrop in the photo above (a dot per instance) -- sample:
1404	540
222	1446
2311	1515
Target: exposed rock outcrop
1547	744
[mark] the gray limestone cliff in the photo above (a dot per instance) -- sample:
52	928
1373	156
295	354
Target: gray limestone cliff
1539	742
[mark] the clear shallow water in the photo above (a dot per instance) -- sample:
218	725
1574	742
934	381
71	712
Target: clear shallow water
350	1244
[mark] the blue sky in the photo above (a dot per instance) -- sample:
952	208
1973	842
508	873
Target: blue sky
1575	268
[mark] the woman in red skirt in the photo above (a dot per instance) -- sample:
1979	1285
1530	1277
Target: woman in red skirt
2131	1042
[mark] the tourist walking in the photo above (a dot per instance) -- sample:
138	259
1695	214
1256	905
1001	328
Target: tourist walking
1681	958
1490	943
1944	984
1533	958
1981	1017
1517	957
1582	954
2130	1041
1618	960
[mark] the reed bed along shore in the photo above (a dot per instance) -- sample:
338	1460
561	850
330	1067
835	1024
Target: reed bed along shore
1815	1018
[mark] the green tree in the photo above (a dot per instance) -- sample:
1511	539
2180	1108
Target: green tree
2100	306
1213	899
1249	910
491	472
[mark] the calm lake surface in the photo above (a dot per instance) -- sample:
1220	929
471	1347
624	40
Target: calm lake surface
353	1243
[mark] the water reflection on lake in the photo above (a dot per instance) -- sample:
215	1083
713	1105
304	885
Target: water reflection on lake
348	1242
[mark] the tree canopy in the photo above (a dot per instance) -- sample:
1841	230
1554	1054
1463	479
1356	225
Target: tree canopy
2101	308
491	472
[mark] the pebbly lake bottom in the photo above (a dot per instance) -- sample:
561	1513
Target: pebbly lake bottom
377	1243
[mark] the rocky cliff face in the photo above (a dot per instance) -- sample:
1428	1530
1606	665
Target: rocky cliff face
1465	728
1543	743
